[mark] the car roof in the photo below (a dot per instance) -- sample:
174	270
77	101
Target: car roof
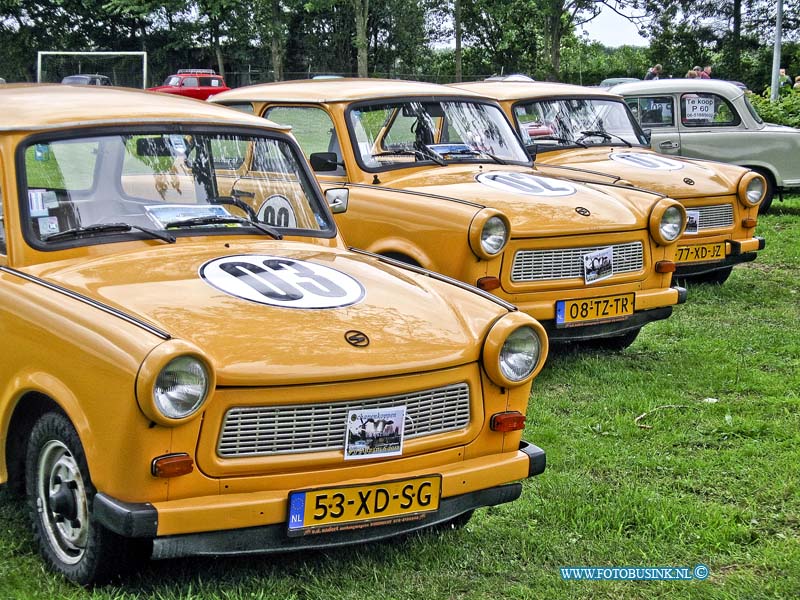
670	86
517	90
35	107
347	89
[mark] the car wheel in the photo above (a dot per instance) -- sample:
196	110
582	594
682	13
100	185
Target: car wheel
59	494
614	344
766	203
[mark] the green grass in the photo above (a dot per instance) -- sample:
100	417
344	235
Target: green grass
716	480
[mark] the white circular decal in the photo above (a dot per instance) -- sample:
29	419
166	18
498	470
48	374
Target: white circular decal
646	161
280	281
277	211
525	183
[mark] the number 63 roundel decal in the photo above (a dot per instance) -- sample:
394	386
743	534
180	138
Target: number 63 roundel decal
280	281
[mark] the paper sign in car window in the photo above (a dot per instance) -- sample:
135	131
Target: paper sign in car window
692	222
698	109
161	214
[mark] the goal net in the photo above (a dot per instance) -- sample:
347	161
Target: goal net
127	69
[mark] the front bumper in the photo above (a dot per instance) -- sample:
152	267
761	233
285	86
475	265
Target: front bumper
737	252
649	307
142	520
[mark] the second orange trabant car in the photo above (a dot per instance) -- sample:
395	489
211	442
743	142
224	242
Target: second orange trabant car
435	176
582	133
180	378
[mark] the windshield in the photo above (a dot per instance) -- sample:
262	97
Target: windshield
394	134
174	183
575	122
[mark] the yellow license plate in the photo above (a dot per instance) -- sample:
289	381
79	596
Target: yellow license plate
328	510
570	313
700	252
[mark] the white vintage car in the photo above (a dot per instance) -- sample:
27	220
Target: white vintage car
706	118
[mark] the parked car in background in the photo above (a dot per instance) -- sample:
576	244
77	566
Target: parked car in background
706	118
611	81
436	177
587	133
193	83
180	378
87	80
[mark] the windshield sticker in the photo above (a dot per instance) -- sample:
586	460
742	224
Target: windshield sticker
525	183
374	432
646	161
692	222
280	281
598	265
277	211
48	225
161	214
698	109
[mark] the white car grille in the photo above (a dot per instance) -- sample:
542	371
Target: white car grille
567	263
270	430
714	217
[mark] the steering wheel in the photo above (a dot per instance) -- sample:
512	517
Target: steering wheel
241	205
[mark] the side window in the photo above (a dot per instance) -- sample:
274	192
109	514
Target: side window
313	129
707	110
656	111
190	82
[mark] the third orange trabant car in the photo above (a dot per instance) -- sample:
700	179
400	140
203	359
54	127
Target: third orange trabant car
435	176
583	132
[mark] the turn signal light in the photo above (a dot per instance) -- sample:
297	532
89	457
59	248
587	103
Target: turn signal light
507	421
487	284
748	222
665	266
172	465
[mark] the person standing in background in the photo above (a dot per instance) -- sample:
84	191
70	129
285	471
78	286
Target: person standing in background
705	73
653	73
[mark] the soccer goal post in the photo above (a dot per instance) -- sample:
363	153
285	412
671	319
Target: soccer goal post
128	69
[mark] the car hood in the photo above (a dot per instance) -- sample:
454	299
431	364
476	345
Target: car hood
413	323
536	206
646	169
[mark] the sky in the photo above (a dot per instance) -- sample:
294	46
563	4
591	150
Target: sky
610	29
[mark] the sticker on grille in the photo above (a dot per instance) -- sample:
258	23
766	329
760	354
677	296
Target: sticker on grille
567	263
714	217
269	430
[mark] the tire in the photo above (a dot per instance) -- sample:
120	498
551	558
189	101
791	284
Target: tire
766	203
616	343
59	496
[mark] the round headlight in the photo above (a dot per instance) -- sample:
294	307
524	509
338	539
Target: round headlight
672	223
755	191
494	236
520	354
181	387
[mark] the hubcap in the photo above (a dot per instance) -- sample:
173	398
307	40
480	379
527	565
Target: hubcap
61	500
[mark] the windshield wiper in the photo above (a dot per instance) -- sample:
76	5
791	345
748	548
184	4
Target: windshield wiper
605	135
430	153
104	228
219	220
560	140
474	152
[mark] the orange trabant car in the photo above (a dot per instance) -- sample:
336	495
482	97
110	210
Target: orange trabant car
436	177
584	133
181	378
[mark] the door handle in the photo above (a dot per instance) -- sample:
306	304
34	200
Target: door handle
669	145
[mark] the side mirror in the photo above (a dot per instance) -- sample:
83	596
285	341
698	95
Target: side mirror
337	199
323	161
532	149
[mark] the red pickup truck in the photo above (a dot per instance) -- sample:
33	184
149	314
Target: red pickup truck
194	83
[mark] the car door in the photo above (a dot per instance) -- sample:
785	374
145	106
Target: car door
656	114
711	128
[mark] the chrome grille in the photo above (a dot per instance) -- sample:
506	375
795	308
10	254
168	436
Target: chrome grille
268	430
567	263
714	217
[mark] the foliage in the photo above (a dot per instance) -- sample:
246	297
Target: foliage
786	111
